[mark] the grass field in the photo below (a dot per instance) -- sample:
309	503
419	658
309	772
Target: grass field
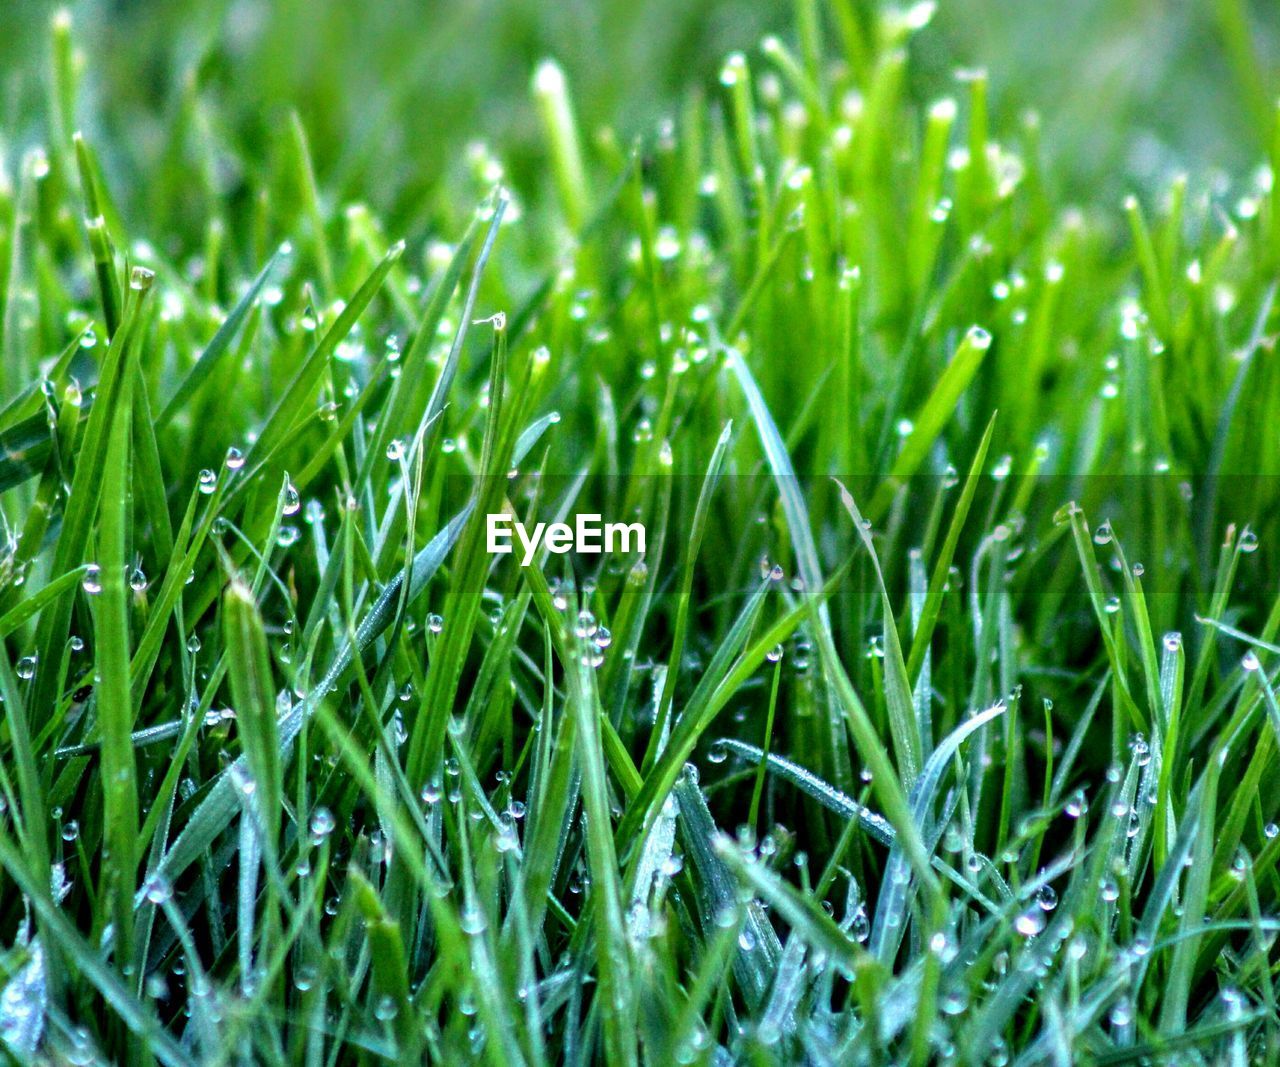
937	721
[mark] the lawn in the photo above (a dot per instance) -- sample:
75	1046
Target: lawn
917	699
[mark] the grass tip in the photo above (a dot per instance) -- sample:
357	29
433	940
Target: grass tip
548	78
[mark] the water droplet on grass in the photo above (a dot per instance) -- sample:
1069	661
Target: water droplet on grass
1030	922
1121	1013
321	826
860	928
1140	749
158	889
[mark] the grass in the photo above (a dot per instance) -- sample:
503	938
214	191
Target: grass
938	720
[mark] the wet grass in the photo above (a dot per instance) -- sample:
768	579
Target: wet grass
936	721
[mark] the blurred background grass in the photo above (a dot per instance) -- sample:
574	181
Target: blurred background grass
1126	89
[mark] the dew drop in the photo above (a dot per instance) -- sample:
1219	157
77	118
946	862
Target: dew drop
157	889
861	925
321	825
1030	922
472	920
290	501
1121	1013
